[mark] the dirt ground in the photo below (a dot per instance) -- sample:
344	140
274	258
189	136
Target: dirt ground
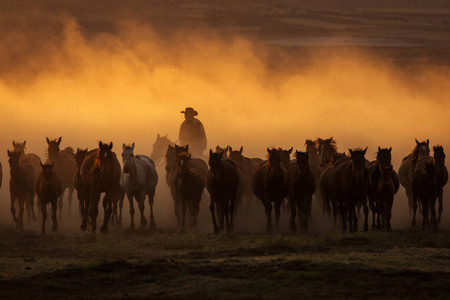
166	264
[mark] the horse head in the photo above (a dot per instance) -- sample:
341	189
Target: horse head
160	147
359	169
53	148
105	159
14	157
181	149
286	157
47	171
223	151
215	163
235	155
439	155
302	162
384	159
171	158
183	163
79	156
274	157
127	157
311	147
422	149
19	147
326	149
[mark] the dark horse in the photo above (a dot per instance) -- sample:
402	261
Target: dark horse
442	173
65	167
268	185
48	189
188	183
301	185
408	166
78	184
350	183
384	185
222	183
100	172
27	158
425	186
21	187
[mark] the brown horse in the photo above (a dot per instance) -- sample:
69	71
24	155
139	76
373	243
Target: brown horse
222	184
65	167
311	148
160	147
27	158
48	189
188	183
100	173
384	185
425	186
268	185
301	184
22	188
350	184
78	183
442	173
408	165
224	151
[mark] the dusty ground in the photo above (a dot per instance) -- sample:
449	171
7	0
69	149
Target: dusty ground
166	264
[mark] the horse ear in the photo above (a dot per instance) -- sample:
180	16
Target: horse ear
290	150
123	146
268	150
9	153
59	140
100	144
14	144
417	142
350	151
42	166
390	149
210	152
166	136
158	136
48	141
229	149
132	146
428	142
187	147
110	146
379	148
242	148
365	150
434	148
24	143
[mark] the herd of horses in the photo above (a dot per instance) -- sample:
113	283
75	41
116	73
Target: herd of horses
344	183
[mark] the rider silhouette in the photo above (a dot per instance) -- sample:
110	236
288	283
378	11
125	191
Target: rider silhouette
192	132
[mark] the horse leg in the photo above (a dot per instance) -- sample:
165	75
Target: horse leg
183	212
226	212
13	207
268	210
213	215
440	209
277	207
220	213
31	201
176	207
21	210
28	209
60	202
433	212
141	200
54	209
44	215
343	210
232	210
120	209
335	207
107	211
366	215
130	200
424	213
389	214
196	209
93	209
414	207
70	198
292	224
86	208
302	212
151	200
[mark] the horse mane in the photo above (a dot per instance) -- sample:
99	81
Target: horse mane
332	143
69	149
271	149
128	147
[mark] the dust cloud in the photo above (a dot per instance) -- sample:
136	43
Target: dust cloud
131	84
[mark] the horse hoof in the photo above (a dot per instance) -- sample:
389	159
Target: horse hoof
293	227
132	227
216	229
269	229
83	227
55	228
413	223
229	229
104	230
152	225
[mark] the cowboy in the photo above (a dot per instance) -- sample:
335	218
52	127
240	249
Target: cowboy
192	132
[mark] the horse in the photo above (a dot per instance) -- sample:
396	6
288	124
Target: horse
78	184
442	173
188	183
350	183
425	186
268	185
22	188
311	148
384	185
301	184
48	189
160	147
194	162
65	167
100	173
326	150
408	165
222	184
138	180
27	158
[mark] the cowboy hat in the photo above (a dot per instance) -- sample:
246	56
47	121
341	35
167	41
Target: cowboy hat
190	110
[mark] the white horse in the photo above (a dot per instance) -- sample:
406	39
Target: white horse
139	178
